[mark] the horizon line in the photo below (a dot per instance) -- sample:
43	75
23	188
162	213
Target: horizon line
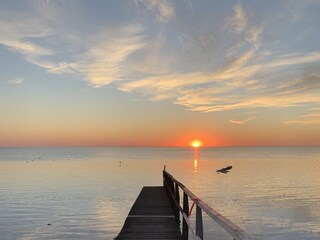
132	146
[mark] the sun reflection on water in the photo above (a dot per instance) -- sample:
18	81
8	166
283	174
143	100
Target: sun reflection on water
195	160
195	164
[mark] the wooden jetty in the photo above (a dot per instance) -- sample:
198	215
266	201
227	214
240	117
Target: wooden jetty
151	217
157	214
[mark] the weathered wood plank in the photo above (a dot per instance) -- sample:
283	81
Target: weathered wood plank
151	217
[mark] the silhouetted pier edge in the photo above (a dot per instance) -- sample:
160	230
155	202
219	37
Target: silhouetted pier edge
157	214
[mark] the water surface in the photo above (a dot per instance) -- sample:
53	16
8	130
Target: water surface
86	193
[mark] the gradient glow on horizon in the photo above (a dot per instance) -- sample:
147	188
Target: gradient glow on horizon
159	73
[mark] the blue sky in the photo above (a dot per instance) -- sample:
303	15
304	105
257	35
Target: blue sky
243	66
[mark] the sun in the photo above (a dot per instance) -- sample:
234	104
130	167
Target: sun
196	143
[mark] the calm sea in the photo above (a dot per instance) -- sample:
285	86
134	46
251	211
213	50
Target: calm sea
86	193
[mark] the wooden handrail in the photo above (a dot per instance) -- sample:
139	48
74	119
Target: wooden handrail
172	186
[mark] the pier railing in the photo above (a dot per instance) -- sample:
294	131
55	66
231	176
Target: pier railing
172	187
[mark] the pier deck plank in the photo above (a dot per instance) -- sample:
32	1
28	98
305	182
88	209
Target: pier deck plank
151	217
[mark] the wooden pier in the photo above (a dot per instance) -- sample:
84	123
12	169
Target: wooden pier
151	217
157	214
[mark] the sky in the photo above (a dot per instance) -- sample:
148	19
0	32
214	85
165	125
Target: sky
159	73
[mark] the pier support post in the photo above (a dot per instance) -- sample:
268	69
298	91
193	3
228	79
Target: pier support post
199	224
185	228
177	198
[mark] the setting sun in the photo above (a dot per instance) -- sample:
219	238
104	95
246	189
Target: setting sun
196	143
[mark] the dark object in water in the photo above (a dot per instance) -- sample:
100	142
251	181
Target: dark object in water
224	170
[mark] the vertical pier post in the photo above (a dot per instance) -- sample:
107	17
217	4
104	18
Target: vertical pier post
177	198
199	223
185	228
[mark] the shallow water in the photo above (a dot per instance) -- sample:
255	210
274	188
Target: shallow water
86	193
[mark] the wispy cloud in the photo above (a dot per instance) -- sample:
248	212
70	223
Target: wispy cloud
312	118
294	59
216	70
17	35
241	122
39	35
238	21
193	89
104	61
101	59
234	70
162	10
16	81
235	87
25	48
